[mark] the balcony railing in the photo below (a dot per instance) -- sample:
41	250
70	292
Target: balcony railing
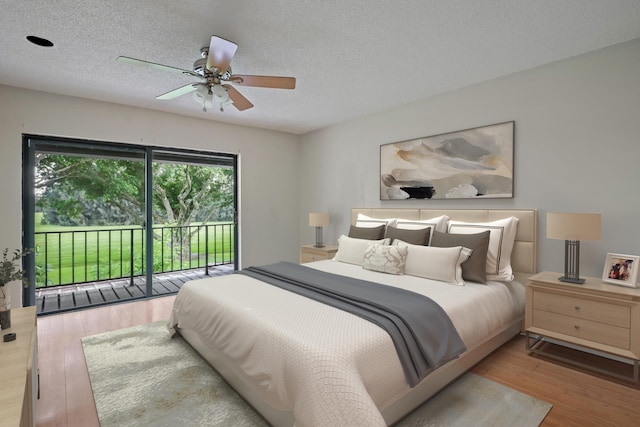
81	256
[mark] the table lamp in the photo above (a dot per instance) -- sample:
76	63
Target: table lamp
573	227
318	220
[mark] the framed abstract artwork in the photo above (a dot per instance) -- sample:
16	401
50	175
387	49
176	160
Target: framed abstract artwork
466	164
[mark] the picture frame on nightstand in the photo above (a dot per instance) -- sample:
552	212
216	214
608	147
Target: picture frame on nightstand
621	269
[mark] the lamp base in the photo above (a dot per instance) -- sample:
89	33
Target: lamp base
572	262
577	281
318	238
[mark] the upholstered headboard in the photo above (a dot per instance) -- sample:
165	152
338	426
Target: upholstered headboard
523	256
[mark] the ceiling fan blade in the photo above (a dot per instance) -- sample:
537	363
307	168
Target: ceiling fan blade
264	81
179	91
239	101
221	52
156	66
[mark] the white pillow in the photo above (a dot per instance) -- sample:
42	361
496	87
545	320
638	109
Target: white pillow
431	262
368	222
502	234
351	250
438	223
385	258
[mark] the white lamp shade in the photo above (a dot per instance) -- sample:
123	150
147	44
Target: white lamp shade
221	96
206	96
202	97
318	219
573	226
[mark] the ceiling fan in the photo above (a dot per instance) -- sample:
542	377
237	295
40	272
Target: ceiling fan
214	69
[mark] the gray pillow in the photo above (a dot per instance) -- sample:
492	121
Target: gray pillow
414	237
367	233
475	268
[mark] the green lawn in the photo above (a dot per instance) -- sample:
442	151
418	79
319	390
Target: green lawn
67	255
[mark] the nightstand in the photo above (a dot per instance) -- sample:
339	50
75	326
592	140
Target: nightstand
595	315
309	253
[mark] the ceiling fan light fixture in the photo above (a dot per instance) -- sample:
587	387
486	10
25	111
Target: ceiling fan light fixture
201	96
207	96
221	96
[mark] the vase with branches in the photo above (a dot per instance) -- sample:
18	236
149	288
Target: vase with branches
10	271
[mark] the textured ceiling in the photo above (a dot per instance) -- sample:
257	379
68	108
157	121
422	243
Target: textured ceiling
350	57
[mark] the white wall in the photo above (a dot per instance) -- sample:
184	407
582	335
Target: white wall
577	145
268	162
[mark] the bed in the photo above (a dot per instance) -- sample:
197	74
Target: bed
300	362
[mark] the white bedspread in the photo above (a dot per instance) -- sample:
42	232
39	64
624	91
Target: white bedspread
329	367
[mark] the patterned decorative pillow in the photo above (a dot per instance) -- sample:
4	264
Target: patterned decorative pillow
385	259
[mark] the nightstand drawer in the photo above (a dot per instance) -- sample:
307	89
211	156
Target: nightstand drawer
309	257
597	311
602	333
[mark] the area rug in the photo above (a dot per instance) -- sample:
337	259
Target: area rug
472	400
142	377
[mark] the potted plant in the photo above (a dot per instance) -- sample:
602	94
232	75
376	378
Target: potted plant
10	270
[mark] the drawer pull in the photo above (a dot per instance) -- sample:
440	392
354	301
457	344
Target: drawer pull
577	307
576	326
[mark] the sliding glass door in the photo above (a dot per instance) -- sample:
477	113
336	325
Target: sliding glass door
101	213
194	211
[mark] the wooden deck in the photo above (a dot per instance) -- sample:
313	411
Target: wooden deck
86	295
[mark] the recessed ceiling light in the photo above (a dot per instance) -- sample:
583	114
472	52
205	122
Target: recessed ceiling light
40	41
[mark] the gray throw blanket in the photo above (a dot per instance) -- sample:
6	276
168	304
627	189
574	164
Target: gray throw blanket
422	333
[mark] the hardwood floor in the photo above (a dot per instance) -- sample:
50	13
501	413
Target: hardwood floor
66	398
578	398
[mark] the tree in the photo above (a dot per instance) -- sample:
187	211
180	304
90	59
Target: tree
65	181
188	194
183	193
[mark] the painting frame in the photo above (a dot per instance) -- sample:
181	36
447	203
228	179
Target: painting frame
613	265
471	163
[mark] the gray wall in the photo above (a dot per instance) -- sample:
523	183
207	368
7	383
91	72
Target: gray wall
577	144
268	194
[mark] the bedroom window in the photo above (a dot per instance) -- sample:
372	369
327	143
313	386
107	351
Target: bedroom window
112	222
